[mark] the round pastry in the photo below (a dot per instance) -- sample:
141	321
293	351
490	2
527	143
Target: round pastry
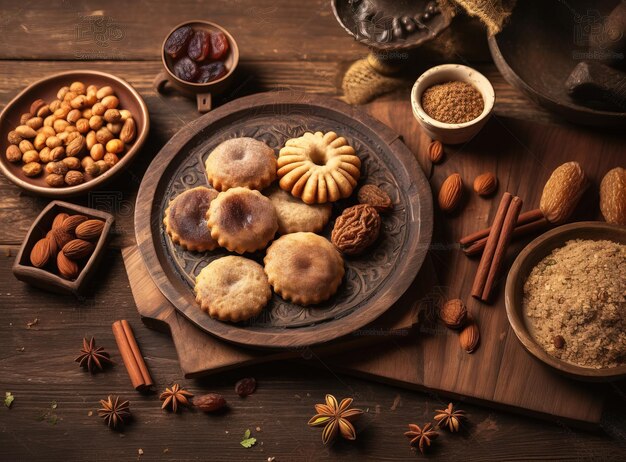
232	289
242	220
295	216
304	268
243	162
185	219
318	167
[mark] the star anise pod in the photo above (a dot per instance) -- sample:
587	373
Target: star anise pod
421	437
335	418
174	397
93	357
449	417
114	411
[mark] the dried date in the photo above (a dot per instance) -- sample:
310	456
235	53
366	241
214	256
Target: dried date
245	386
199	46
211	72
219	45
177	42
186	69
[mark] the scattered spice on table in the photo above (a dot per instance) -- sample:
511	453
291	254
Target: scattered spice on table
32	323
421	437
336	418
453	102
575	299
449	417
175	397
91	357
8	399
114	411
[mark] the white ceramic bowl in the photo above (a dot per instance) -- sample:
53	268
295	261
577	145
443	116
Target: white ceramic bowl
444	132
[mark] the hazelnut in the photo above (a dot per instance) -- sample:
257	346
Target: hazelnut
55	180
30	156
74	177
13	153
32	169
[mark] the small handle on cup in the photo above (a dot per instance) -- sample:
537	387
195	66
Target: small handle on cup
160	81
204	102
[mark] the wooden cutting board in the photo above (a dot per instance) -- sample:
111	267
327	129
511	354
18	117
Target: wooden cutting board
500	373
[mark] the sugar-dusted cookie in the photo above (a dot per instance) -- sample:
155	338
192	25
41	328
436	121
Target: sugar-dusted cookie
185	219
304	268
242	220
232	289
243	162
294	215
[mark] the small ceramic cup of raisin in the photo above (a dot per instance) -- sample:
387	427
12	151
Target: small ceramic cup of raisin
199	59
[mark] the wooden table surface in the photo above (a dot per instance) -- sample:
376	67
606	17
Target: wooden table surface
284	45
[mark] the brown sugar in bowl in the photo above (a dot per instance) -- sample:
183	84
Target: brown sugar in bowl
47	89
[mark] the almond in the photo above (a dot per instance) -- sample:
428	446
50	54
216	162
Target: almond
562	192
613	196
67	268
450	192
59	219
71	222
61	237
453	313
210	402
78	249
435	151
40	253
469	337
90	230
485	184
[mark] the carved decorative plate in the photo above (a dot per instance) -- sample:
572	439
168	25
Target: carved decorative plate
372	283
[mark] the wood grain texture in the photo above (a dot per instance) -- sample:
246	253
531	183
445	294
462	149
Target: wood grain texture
45	371
308	52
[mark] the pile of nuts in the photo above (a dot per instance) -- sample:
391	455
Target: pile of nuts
76	137
70	242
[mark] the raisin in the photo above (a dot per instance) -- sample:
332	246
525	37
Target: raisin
185	69
219	45
245	386
177	41
199	46
210	72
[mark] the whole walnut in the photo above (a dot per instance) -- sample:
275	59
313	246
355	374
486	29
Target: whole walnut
356	229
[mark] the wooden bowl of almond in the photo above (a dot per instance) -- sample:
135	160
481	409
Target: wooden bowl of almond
63	247
70	132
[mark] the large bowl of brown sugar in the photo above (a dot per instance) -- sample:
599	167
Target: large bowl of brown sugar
566	299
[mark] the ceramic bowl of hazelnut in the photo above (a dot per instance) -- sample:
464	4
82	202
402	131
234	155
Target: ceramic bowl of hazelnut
199	60
452	102
71	132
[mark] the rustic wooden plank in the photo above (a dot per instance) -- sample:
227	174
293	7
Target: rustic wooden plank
45	372
264	29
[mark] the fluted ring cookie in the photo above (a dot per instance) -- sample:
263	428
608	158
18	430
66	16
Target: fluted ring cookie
318	167
185	219
241	162
242	220
232	289
304	268
296	216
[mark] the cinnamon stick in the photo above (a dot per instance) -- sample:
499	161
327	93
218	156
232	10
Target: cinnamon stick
523	230
490	246
131	355
503	243
524	218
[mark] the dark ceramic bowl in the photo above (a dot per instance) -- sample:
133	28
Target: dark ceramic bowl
47	89
532	254
203	92
45	278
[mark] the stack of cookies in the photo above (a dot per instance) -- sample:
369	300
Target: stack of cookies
243	211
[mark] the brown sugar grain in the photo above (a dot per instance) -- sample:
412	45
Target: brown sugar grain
453	102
